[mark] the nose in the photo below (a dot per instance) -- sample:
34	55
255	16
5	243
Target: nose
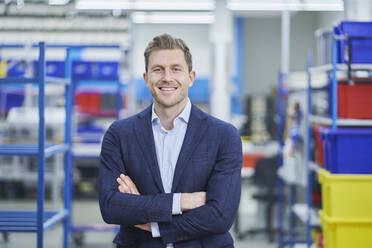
167	75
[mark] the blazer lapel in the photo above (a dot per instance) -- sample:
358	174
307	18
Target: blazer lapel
196	128
146	141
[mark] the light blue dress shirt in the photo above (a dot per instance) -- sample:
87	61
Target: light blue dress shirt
168	145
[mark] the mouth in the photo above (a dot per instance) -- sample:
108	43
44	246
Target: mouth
167	89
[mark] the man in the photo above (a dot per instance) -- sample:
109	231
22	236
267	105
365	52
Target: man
170	175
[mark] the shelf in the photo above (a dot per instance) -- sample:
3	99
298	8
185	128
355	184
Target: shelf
56	80
329	67
303	246
18	80
314	166
340	122
247	172
26	221
86	150
31	150
301	211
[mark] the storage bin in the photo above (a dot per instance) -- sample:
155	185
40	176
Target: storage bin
88	102
361	49
108	101
346	196
348	150
18	69
319	147
346	233
81	70
250	160
55	68
108	70
353	101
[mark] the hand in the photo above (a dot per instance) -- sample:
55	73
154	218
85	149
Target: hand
145	227
126	185
192	200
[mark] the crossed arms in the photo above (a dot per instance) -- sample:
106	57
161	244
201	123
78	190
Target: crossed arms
188	200
208	213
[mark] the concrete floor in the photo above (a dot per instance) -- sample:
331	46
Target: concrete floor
86	212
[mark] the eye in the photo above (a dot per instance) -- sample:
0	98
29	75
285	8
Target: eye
156	69
177	69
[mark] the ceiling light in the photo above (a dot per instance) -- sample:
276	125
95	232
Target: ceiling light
58	2
280	5
179	5
172	18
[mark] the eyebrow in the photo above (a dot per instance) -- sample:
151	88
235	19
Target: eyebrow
173	65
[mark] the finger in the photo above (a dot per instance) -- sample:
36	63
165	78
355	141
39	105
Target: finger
124	189
131	185
121	189
123	184
128	183
120	181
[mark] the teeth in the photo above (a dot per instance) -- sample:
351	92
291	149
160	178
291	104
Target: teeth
167	89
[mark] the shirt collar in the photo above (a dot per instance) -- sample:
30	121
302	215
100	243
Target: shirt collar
184	115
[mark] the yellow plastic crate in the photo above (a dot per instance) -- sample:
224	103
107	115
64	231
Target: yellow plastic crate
346	195
346	233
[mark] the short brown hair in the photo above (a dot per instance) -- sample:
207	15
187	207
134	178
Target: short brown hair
166	41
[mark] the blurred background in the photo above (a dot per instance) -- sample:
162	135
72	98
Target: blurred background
253	61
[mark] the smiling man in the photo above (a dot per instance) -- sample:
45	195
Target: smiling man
170	175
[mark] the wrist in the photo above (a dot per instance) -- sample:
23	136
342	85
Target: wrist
184	201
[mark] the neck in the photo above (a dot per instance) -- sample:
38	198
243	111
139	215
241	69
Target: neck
167	115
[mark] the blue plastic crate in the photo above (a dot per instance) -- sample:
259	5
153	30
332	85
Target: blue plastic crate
53	68
18	69
361	49
108	70
81	70
348	150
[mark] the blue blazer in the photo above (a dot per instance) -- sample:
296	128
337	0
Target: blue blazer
210	160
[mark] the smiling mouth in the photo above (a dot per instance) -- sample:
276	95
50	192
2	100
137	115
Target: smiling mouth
168	88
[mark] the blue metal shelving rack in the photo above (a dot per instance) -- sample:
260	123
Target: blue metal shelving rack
78	231
285	237
40	220
333	121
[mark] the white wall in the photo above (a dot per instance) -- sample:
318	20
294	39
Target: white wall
329	19
261	54
262	41
195	36
262	46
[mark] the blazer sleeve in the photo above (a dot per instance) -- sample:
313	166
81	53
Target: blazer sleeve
223	197
121	208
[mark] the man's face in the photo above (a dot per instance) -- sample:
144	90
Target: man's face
168	77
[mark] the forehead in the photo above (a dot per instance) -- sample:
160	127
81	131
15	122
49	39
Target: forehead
167	57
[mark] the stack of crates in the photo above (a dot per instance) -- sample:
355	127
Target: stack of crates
346	181
346	216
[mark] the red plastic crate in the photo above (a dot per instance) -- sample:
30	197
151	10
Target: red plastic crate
88	102
249	160
319	147
355	101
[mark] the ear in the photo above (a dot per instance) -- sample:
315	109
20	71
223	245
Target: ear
191	78
145	77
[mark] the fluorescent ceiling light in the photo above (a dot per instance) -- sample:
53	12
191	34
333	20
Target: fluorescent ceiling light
58	2
186	5
291	5
172	18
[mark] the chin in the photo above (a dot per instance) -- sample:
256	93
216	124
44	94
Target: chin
167	103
